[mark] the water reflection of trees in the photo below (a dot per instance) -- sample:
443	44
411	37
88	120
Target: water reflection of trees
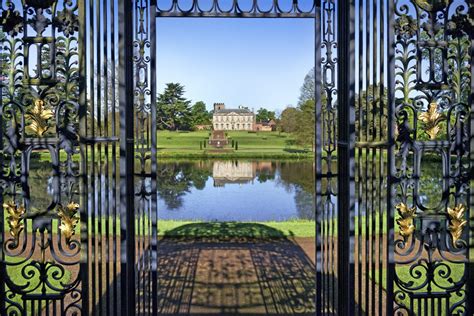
175	180
299	176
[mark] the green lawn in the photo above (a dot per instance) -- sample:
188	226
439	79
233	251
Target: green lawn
292	228
250	145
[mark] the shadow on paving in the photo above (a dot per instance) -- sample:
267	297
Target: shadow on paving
233	268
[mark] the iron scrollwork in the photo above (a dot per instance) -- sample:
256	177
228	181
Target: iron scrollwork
432	84
235	8
39	113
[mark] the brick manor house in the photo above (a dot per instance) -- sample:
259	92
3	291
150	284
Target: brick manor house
241	119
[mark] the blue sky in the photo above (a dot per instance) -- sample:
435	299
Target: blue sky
251	62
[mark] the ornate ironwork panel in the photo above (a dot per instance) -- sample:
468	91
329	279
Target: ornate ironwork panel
326	154
145	143
43	210
432	158
406	98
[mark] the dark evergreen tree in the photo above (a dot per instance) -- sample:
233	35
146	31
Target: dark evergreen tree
173	109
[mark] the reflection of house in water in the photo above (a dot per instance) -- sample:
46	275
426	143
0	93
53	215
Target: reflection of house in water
226	172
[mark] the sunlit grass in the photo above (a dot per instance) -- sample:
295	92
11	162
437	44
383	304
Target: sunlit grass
250	145
291	228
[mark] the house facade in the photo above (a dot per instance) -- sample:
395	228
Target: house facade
240	119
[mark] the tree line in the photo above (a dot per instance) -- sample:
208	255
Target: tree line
300	120
175	112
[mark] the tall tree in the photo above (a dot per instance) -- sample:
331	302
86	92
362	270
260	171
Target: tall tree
288	120
264	115
173	109
304	133
200	116
307	90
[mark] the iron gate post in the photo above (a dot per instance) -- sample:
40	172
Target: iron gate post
391	148
318	143
154	146
2	221
470	264
85	259
127	196
345	157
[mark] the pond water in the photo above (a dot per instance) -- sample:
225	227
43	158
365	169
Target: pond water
223	190
236	190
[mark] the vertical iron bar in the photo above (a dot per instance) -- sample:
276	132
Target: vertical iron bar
390	156
372	152
154	162
84	265
2	218
381	237
106	193
114	159
360	187
345	152
127	224
91	197
365	129
99	206
318	144
470	279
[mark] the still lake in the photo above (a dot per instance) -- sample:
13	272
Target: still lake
236	190
222	190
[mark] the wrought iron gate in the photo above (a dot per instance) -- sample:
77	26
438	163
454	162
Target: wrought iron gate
78	122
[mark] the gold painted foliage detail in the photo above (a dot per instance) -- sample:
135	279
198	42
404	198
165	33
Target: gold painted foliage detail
39	116
16	214
405	222
69	219
432	5
457	221
431	120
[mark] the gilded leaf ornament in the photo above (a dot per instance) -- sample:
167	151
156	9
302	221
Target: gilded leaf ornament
431	119
432	5
405	222
69	219
457	221
15	218
39	116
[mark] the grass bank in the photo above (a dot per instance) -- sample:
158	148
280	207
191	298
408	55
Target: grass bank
261	145
292	228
